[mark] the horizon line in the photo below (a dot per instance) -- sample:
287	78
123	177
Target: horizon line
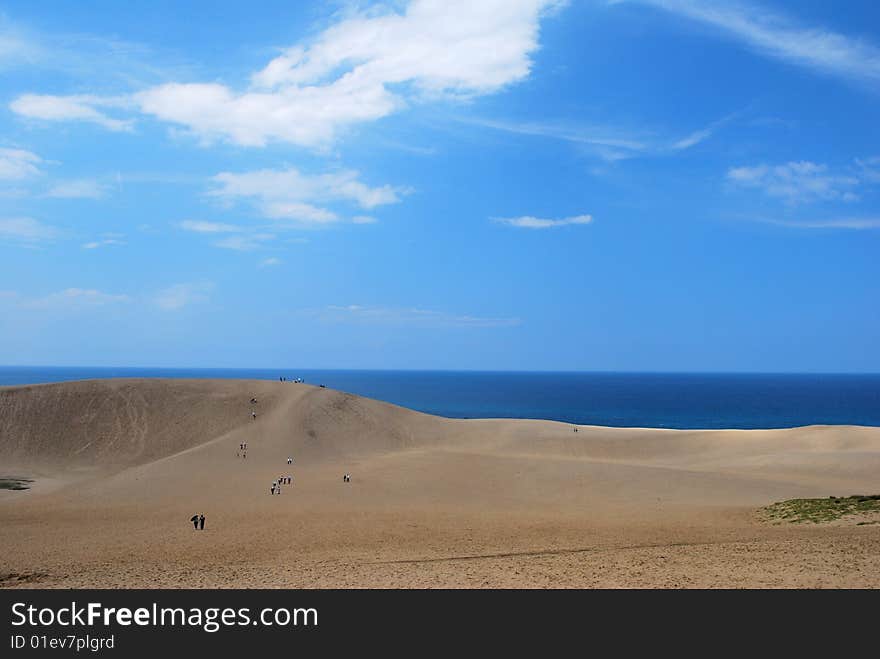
443	370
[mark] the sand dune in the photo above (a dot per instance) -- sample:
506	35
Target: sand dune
119	466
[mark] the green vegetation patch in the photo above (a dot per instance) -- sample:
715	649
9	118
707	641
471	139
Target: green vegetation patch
15	483
821	510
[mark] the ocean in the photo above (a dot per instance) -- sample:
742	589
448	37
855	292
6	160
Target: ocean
651	400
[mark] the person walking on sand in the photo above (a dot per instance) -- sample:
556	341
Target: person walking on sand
201	522
195	520
254	415
273	487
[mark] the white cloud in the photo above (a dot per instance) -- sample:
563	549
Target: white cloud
199	226
178	296
529	222
271	261
306	117
75	298
364	219
26	231
797	182
360	69
72	108
77	189
405	317
778	36
18	164
289	194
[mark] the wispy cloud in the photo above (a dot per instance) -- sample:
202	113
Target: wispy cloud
409	317
106	240
77	189
869	169
291	195
18	164
269	262
851	223
782	37
610	143
85	108
529	222
181	295
109	60
703	134
26	231
797	182
245	243
72	298
199	226
570	132
238	238
364	219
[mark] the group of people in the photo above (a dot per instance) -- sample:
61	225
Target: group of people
198	522
346	478
242	450
282	480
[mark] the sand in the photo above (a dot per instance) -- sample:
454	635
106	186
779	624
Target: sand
119	467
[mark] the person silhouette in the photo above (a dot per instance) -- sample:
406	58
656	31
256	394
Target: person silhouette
201	522
195	520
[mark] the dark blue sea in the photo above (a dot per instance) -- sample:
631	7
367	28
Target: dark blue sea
654	400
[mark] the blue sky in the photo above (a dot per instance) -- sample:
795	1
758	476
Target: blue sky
656	185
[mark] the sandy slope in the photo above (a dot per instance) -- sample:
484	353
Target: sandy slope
121	465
